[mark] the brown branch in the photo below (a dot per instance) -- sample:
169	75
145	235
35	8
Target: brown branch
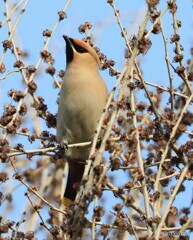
34	191
171	199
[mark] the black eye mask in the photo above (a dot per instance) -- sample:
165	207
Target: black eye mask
78	48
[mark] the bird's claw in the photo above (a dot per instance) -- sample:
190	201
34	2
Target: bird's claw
63	147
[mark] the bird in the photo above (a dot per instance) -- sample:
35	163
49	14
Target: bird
82	99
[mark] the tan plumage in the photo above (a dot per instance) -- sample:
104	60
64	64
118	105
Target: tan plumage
82	99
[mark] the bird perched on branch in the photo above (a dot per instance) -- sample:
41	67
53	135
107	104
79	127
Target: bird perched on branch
82	98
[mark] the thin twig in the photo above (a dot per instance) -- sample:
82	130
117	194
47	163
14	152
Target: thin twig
168	67
10	72
186	225
123	197
8	18
140	160
139	228
37	211
172	135
178	50
171	199
35	192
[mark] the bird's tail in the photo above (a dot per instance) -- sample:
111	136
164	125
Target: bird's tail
75	174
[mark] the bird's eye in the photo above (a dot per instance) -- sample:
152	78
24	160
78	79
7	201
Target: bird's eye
81	49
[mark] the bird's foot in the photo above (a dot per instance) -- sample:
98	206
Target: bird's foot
63	147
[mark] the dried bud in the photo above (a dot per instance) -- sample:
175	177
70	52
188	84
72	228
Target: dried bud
18	177
19	147
35	188
7	44
50	120
62	15
172	7
143	45
118	207
32	138
99	211
120	119
152	3
47	57
3	177
141	106
154	16
129	185
82	28
88	196
55	231
2	68
51	70
98	170
4	157
3	142
178	58
156	196
47	33
110	2
61	73
31	69
173	210
131	85
117	12
179	24
97	191
190	76
45	134
113	72
180	70
130	200
32	87
104	231
183	220
16	95
29	235
164	182
18	64
24	130
37	207
124	32
115	164
156	28
18	50
176	49
4	229
175	38
23	109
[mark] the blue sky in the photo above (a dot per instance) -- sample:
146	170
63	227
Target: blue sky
40	16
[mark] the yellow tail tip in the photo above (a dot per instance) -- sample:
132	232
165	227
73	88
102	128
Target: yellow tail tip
66	201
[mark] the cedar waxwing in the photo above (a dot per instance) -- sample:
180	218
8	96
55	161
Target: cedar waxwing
82	98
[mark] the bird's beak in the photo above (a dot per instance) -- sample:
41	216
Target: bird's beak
68	41
69	49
